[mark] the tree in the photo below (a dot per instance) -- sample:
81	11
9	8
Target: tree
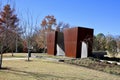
39	40
95	44
118	43
111	45
100	40
48	24
29	29
8	27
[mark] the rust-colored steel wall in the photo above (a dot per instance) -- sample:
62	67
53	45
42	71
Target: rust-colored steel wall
51	43
70	41
73	38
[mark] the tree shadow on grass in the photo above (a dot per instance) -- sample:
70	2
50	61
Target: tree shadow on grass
34	74
28	60
4	68
37	75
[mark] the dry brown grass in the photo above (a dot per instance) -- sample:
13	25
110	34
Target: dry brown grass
9	55
41	69
118	56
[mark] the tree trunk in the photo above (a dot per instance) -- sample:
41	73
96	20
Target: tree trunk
16	44
28	56
28	50
12	53
1	56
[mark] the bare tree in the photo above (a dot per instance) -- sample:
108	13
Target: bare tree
29	30
61	26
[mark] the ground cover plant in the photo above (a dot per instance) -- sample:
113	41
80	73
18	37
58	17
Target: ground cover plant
96	64
92	63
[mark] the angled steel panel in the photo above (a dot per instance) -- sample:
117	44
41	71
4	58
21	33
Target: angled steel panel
51	43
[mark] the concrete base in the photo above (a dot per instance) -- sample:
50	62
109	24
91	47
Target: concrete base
84	50
60	51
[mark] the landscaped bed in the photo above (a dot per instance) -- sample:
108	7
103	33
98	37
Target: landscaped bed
92	63
96	64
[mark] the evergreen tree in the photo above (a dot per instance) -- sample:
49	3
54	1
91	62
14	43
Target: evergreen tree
8	29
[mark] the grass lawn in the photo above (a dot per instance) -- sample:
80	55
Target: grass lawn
41	69
15	55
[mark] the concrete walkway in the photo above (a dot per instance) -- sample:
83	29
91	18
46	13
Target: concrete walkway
14	58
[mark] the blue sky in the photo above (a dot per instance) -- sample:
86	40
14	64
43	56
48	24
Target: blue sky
101	15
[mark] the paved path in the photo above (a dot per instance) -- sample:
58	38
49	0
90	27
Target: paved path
13	58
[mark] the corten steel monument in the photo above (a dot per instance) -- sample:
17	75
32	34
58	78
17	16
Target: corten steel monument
73	39
51	42
55	43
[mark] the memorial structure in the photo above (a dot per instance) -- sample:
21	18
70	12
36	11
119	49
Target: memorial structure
78	42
